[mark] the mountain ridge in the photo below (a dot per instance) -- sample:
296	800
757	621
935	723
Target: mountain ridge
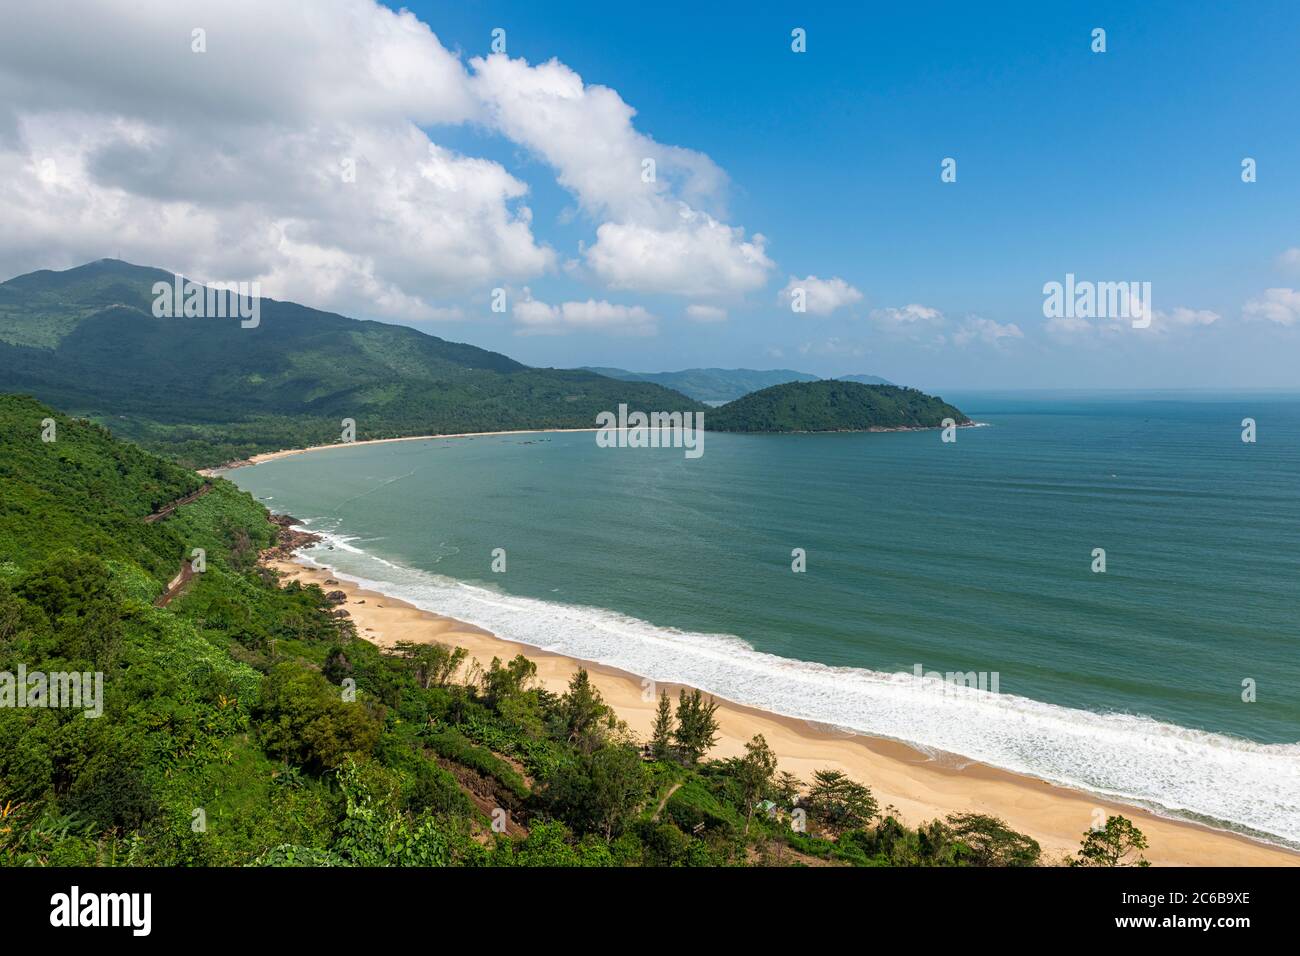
85	340
721	385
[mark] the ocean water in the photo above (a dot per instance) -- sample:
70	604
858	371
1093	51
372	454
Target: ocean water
974	556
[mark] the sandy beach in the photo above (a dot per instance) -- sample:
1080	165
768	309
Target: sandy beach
920	787
273	455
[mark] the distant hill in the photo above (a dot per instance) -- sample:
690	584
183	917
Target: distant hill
863	379
831	405
720	385
207	390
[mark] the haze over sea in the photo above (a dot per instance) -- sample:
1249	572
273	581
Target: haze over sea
973	556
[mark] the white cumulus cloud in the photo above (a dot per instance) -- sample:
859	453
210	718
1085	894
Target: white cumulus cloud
986	331
1275	305
660	208
908	315
535	317
702	257
821	296
1183	317
1164	322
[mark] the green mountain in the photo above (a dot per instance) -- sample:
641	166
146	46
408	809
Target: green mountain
207	390
236	720
831	405
721	385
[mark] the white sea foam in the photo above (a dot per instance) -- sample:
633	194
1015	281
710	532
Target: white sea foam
1175	770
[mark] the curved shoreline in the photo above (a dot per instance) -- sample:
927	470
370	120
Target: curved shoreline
919	785
287	452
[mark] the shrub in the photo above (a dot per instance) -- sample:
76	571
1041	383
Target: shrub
302	718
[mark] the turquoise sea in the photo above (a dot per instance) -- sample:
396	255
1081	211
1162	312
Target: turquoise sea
974	556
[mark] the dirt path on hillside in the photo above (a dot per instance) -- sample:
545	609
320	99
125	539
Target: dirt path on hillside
186	573
176	585
664	802
167	509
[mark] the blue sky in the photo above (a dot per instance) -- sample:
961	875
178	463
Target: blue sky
1122	165
777	170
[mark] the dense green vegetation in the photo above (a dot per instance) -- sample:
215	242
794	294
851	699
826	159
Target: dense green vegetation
831	405
719	385
246	724
206	391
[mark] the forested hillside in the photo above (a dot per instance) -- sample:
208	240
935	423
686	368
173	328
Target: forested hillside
247	723
206	390
832	405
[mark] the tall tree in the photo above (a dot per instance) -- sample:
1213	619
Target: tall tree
697	725
584	714
990	842
598	792
501	682
1119	843
619	783
754	773
787	789
661	736
840	804
434	663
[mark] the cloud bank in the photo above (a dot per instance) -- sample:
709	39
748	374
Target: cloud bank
248	141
